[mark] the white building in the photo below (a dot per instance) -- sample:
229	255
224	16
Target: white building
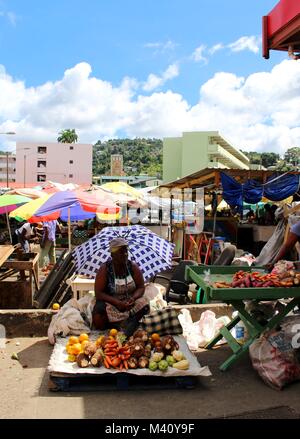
59	162
7	168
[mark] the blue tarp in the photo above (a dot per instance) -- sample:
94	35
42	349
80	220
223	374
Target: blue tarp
276	188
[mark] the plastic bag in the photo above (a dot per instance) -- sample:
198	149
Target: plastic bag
274	358
198	334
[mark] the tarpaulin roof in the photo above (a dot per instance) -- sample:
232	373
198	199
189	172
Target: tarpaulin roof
276	188
281	27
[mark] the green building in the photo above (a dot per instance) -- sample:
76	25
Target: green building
198	150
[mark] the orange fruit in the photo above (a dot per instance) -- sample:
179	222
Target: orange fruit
113	332
83	337
83	344
73	340
75	349
155	337
55	306
100	340
68	348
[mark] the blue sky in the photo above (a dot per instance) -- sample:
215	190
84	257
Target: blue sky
141	68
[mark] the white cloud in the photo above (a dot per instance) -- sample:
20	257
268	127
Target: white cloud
216	48
197	55
258	112
11	16
154	81
245	43
161	47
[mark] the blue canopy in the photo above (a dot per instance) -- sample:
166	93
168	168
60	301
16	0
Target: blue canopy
276	188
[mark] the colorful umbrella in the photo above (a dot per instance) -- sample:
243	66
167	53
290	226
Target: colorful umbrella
124	193
9	203
151	253
27	192
27	211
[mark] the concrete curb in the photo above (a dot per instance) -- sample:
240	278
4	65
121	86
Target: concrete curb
35	323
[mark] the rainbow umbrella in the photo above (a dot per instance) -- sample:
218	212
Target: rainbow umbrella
74	205
9	203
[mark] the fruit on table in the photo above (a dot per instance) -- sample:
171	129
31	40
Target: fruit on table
153	365
178	355
84	344
171	360
75	349
71	358
155	337
157	357
73	340
182	365
113	332
56	306
163	365
83	337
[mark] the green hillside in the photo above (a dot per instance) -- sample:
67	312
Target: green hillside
140	156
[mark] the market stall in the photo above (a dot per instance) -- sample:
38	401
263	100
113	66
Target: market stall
235	286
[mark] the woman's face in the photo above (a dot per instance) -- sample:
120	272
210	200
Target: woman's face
120	256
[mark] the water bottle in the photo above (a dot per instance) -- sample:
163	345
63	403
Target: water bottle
240	330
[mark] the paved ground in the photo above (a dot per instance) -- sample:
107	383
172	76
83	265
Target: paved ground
238	392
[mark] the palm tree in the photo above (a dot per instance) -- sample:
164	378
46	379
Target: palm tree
67	136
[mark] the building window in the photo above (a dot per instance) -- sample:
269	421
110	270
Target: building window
71	147
42	149
41	177
41	164
71	162
70	175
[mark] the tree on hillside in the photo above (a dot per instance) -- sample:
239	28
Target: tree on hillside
67	136
265	159
292	156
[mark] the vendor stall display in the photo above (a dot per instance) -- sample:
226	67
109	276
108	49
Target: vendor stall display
248	285
103	354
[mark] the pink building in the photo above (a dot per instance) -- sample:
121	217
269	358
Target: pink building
59	162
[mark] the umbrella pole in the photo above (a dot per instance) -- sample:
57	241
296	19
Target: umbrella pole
8	226
69	229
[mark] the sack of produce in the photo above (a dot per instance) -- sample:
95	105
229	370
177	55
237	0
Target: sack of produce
276	354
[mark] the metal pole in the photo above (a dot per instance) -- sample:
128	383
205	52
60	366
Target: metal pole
8	226
24	170
69	228
6	169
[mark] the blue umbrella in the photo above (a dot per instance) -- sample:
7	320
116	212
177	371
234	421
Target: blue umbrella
149	251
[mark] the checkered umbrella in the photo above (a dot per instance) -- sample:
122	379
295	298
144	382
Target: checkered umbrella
149	251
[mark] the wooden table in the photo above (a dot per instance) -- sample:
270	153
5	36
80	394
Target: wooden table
18	293
80	286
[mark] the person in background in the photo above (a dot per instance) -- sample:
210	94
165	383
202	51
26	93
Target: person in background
24	234
291	240
47	244
119	291
250	215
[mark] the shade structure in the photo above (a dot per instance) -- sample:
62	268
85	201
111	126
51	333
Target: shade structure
26	211
124	193
27	192
88	202
151	253
10	202
281	28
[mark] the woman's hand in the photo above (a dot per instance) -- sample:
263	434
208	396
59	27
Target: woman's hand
124	306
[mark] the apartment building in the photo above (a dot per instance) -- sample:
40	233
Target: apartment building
198	150
60	162
7	168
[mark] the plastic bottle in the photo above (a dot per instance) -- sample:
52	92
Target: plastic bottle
240	330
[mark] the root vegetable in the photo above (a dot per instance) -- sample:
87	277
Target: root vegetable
132	363
143	362
97	358
90	349
82	360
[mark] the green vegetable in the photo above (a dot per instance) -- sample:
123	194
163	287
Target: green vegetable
157	356
153	365
171	360
163	365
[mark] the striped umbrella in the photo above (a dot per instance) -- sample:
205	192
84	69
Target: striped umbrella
151	253
9	203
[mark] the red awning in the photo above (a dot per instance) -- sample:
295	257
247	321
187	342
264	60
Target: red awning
281	27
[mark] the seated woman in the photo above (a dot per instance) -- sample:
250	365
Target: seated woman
119	291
